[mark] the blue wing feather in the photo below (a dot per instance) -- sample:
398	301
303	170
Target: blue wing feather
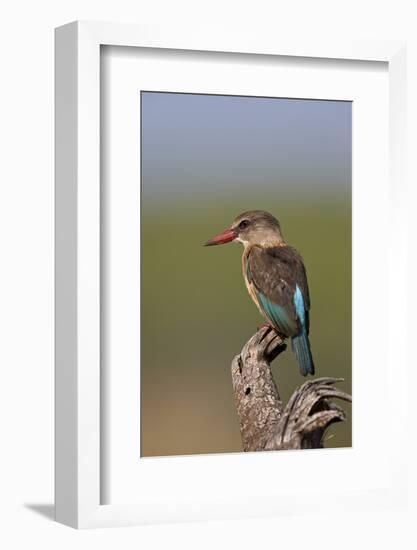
299	305
281	292
278	315
301	343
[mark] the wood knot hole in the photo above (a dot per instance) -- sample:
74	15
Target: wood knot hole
239	362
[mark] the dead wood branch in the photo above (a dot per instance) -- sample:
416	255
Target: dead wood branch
265	424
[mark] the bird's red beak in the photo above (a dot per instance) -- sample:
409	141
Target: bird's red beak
227	236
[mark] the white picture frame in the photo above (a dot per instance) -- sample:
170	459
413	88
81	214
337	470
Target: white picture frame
78	404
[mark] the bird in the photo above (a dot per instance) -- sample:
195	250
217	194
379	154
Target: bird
275	278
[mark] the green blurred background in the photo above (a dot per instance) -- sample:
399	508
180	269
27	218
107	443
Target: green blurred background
205	159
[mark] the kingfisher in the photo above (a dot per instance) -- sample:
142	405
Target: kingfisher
275	278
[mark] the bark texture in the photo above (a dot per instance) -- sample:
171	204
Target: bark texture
265	424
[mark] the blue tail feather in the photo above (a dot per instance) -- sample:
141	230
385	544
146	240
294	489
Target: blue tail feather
301	348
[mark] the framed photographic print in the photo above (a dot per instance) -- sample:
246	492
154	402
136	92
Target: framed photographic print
194	381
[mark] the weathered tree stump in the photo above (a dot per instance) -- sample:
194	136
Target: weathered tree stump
265	424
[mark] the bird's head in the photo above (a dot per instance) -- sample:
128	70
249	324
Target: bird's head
255	227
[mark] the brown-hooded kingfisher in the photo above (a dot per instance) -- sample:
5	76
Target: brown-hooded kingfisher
275	277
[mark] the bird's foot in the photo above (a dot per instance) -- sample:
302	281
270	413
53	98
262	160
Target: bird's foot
267	328
266	325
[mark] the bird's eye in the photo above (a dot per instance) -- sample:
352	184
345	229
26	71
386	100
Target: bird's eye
244	224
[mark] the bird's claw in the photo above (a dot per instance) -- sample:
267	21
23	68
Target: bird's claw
266	325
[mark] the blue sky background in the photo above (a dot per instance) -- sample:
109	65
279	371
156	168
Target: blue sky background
207	145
